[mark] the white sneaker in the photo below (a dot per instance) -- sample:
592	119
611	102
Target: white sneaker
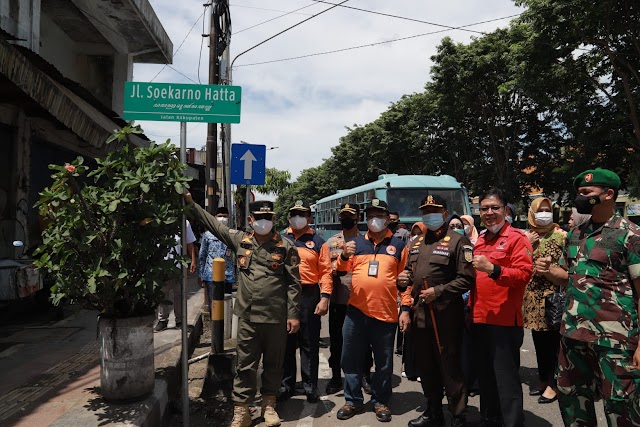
404	374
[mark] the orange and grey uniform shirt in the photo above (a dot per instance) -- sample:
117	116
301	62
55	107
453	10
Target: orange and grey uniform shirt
341	279
376	294
315	264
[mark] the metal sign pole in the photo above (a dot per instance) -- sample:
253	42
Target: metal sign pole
246	205
183	293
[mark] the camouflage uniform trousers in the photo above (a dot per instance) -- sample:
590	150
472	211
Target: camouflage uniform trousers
587	372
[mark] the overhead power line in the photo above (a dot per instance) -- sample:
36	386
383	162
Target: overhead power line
277	17
271	10
182	43
403	17
285	30
374	44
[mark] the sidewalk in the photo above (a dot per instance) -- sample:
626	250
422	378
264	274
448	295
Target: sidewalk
51	374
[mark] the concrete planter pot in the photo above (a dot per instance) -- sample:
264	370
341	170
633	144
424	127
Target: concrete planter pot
127	371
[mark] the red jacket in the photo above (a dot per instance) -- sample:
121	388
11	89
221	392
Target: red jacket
499	301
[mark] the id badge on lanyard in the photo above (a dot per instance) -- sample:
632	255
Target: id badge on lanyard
373	268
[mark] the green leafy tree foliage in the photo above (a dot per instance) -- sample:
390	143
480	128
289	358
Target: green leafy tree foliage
276	181
106	240
584	60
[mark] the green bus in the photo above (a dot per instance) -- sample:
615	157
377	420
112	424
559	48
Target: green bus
403	193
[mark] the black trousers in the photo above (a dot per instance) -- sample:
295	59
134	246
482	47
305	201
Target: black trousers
497	351
547	344
337	313
307	339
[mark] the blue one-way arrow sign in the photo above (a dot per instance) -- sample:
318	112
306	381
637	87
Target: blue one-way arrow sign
248	164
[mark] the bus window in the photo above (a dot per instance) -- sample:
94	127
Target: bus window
407	200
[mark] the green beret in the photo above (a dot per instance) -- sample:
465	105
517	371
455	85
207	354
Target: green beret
598	177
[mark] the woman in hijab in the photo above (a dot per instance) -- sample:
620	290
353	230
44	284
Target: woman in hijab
577	219
416	230
547	240
470	228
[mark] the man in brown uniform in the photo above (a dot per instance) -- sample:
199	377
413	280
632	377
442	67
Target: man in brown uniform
444	258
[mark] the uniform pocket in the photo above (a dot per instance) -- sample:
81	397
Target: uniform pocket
621	376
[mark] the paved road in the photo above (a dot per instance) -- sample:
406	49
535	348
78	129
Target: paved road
406	402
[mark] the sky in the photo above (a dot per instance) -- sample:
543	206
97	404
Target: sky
304	106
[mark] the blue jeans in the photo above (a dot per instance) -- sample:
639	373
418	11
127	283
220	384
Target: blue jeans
361	334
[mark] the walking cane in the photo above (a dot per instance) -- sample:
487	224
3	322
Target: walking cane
425	285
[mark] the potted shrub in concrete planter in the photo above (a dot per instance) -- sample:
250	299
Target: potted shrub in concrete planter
108	234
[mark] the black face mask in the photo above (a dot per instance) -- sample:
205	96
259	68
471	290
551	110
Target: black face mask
584	204
347	223
393	225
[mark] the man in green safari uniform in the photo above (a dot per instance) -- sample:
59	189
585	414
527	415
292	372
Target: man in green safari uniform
266	304
599	353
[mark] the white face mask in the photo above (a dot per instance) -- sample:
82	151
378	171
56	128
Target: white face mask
543	218
262	226
222	220
467	229
509	219
298	222
376	224
495	228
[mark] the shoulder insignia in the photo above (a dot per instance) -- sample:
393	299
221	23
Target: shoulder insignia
294	260
468	253
391	250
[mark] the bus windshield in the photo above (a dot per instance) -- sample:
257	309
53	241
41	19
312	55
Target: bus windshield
407	201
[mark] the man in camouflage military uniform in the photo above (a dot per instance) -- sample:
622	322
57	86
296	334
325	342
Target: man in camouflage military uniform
599	352
444	258
267	305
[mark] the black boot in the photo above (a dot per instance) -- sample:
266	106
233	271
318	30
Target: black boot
432	417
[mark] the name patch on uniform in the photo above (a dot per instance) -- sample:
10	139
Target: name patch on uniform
440	252
414	251
442	248
310	244
391	250
233	231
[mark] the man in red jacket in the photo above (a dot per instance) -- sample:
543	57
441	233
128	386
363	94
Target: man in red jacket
503	258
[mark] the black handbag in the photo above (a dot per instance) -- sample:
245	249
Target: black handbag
554	308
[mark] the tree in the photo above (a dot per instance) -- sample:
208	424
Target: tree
275	181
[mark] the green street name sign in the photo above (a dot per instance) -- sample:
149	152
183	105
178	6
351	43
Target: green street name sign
171	102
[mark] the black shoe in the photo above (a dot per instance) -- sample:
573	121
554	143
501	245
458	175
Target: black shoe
383	413
161	325
284	394
427	420
334	386
366	385
545	400
459	421
535	392
324	343
398	351
178	325
348	411
313	396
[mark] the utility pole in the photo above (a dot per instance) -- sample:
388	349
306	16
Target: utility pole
211	165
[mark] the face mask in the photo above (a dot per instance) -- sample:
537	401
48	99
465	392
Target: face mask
347	223
393	225
298	222
584	204
262	226
433	221
222	220
495	228
467	229
543	218
509	219
459	231
376	224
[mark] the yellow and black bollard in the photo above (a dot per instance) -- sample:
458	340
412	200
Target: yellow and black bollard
217	307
